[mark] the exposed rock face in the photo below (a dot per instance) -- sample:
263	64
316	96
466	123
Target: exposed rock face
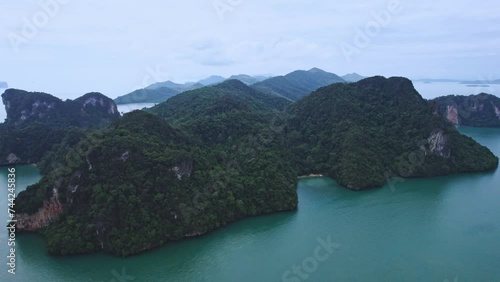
452	114
97	99
50	210
91	110
482	110
183	169
497	110
438	144
22	106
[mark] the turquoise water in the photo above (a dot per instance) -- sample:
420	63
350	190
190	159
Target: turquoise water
439	229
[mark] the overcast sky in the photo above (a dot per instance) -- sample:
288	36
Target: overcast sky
117	46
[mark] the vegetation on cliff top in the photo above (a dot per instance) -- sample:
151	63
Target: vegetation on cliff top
37	121
364	133
482	110
213	155
202	179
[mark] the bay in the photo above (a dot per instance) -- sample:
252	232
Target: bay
435	229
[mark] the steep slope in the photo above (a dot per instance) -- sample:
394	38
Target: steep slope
142	183
37	121
482	110
93	110
366	132
297	84
147	96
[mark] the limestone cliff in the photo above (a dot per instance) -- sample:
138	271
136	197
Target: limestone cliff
23	108
37	121
482	110
438	144
49	211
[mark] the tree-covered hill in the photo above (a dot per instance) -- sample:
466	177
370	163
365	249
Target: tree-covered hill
93	110
227	97
297	84
142	183
364	133
213	155
37	121
482	110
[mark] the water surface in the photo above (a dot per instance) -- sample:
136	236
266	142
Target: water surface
433	229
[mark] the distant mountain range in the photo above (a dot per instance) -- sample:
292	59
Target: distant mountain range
214	79
353	77
175	86
3	84
297	84
248	80
147	96
292	86
482	110
161	91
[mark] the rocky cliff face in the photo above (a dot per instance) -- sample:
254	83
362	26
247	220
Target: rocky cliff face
452	114
183	169
481	110
497	110
25	108
37	121
438	144
50	210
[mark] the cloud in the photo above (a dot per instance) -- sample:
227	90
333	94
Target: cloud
108	45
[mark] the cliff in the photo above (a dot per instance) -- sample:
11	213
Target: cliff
45	215
37	121
365	133
142	183
482	110
93	110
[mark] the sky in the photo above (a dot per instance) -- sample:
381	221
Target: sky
71	47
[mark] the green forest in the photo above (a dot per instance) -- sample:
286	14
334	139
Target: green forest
210	156
482	110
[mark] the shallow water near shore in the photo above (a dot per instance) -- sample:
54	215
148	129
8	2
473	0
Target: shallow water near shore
435	229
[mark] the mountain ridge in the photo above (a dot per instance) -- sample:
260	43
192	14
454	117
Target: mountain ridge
297	84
